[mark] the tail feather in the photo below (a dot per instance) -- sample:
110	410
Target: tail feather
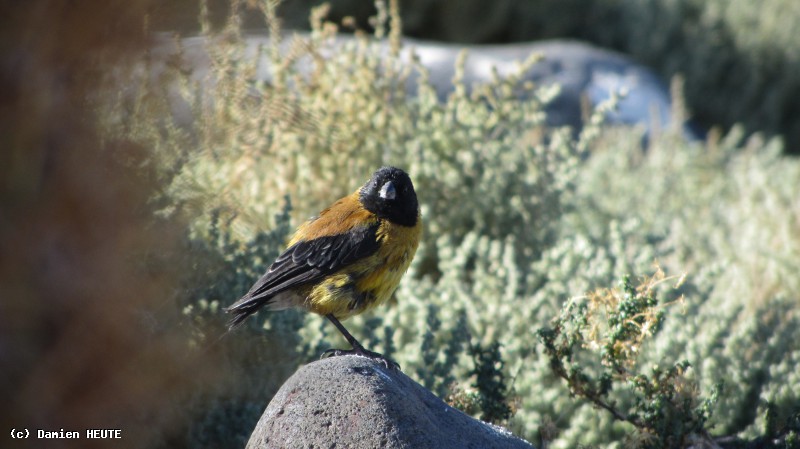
244	308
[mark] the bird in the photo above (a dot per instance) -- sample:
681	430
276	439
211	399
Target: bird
345	261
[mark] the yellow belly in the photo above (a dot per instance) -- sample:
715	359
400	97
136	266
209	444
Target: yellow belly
369	282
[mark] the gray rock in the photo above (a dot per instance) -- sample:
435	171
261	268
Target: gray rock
354	402
587	75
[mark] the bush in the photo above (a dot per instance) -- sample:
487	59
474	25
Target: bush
738	57
518	219
594	345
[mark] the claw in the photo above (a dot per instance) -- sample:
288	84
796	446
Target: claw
361	352
358	349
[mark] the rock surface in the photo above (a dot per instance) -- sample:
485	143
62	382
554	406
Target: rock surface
355	402
586	74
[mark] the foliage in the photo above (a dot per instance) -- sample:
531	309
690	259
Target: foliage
517	220
594	345
258	357
737	57
490	383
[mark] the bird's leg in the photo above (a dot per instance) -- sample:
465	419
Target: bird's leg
358	349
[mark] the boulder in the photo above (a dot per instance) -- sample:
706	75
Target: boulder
355	402
587	75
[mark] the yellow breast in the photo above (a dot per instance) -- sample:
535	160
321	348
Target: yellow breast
371	281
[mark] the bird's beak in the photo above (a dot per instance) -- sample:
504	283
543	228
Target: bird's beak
388	191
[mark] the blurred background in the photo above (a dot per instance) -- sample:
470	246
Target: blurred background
83	263
123	234
738	59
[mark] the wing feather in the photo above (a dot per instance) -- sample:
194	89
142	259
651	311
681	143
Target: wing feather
311	259
308	261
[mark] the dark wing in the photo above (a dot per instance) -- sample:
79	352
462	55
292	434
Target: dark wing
306	262
309	261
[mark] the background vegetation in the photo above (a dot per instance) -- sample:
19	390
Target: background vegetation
127	232
738	57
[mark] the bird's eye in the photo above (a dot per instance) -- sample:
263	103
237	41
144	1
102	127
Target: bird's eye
387	191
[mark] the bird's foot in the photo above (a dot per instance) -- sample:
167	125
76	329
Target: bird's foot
389	363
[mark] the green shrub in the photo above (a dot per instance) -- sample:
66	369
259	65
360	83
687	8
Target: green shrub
594	345
518	219
738	57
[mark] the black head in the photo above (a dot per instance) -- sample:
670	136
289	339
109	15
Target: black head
390	194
